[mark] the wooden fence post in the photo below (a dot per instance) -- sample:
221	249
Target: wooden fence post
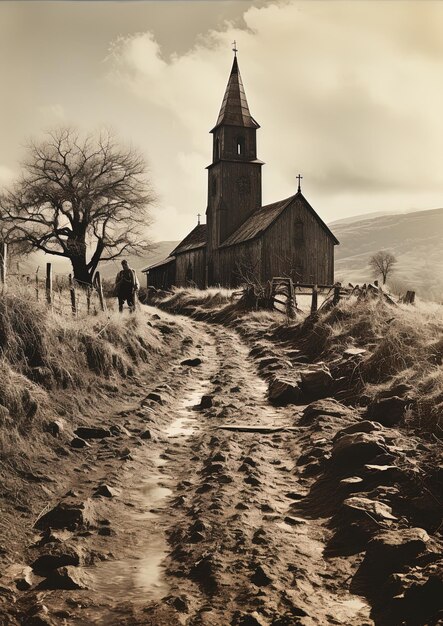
49	283
290	301
98	281
314	303
36	283
3	264
336	298
73	296
409	297
88	299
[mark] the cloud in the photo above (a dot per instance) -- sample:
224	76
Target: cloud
350	94
7	176
53	112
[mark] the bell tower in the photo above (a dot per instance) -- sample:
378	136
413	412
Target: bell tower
234	176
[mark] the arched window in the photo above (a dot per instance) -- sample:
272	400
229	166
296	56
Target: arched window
214	186
217	149
240	146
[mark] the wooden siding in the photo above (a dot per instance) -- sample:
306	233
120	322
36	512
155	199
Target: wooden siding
240	193
239	263
296	245
191	268
161	277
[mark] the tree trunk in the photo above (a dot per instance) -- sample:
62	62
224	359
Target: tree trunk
80	269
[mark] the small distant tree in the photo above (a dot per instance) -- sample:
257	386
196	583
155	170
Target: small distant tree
85	198
382	264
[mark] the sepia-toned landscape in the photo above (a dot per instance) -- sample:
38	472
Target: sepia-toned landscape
221	390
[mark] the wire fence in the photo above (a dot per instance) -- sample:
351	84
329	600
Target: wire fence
62	294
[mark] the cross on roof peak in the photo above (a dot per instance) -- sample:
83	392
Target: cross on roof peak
234	49
198	217
299	177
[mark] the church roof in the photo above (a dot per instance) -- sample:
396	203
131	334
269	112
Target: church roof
260	220
234	109
169	259
195	239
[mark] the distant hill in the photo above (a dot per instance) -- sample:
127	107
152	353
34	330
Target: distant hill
363	216
416	239
161	250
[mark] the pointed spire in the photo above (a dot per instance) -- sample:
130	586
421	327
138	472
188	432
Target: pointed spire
234	109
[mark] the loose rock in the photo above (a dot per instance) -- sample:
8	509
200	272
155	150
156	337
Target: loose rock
387	411
106	491
282	392
192	362
327	406
95	432
356	449
67	578
155	397
364	426
69	513
260	577
354	352
392	549
79	443
364	507
55	556
316	383
55	427
206	402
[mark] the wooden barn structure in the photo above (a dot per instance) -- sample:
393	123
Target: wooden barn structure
244	241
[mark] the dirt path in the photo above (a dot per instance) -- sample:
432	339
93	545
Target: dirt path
204	525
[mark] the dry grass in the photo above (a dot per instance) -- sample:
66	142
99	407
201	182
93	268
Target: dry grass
52	364
208	299
404	346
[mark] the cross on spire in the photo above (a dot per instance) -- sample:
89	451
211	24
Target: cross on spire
234	49
198	217
299	182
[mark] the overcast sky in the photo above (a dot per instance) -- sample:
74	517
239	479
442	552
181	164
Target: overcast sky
349	93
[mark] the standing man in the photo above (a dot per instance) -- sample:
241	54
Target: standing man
126	286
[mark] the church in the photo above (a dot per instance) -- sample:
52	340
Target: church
243	241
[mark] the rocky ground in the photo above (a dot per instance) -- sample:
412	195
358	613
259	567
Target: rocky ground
219	492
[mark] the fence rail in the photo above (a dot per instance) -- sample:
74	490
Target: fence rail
283	292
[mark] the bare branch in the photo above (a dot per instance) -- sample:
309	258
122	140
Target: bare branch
80	196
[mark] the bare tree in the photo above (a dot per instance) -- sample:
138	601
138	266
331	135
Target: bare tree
81	197
382	264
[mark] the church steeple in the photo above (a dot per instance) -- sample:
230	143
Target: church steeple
234	109
234	176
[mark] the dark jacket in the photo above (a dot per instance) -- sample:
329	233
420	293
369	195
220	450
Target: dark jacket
126	282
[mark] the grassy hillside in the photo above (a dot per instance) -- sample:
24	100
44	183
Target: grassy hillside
55	367
415	239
